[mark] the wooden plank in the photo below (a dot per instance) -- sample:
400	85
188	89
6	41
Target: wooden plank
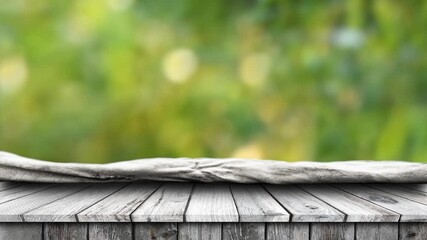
64	231
243	231
303	206
200	231
329	231
21	191
401	191
255	204
118	206
110	231
21	231
410	211
9	185
417	186
413	231
158	231
211	203
377	231
12	211
66	209
167	204
288	231
355	208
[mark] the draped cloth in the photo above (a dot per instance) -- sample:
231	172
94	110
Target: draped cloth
18	168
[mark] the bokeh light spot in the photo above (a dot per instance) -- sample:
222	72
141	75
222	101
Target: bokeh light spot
179	65
254	69
13	74
119	5
251	151
348	38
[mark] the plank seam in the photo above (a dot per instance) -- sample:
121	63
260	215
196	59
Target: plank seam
17	185
415	189
355	231
400	215
133	230
385	191
234	201
184	217
120	188
289	212
51	186
139	205
177	230
21	216
345	215
398	230
265	231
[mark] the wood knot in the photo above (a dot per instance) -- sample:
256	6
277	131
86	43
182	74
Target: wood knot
169	234
412	234
312	207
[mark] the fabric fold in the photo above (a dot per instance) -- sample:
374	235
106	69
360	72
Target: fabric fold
17	168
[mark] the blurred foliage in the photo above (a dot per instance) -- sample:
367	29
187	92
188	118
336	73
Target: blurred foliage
110	80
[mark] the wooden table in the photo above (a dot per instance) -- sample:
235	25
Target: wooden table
212	211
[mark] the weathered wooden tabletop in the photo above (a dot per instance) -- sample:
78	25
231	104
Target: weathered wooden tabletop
221	202
186	211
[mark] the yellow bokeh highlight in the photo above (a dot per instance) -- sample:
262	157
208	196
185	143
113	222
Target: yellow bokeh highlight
119	5
179	65
84	20
13	74
254	69
251	151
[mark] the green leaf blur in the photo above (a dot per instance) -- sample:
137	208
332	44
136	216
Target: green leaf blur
110	80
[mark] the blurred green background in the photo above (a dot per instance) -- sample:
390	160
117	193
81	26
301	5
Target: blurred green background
111	80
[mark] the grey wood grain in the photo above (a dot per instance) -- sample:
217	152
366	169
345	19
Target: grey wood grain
158	231
417	186
200	231
21	191
410	211
413	231
8	185
167	204
288	231
332	231
211	203
401	191
65	231
303	206
255	204
377	231
355	208
21	231
12	211
243	231
66	209
110	231
118	206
